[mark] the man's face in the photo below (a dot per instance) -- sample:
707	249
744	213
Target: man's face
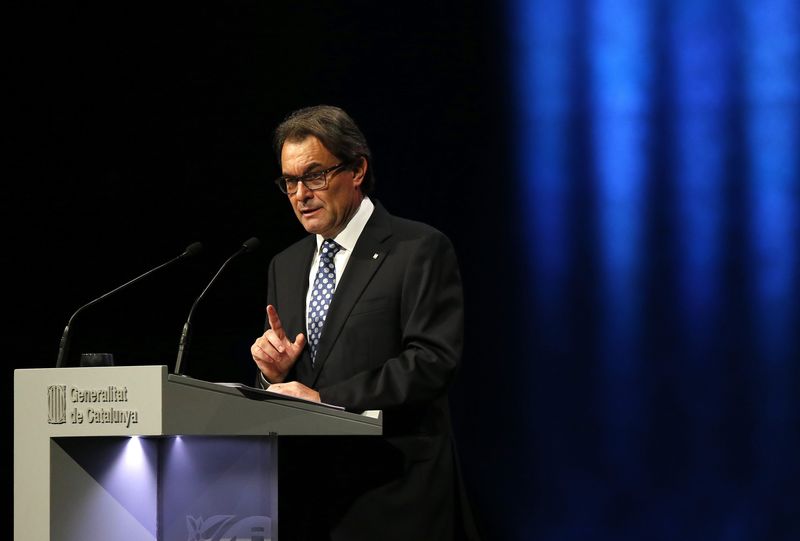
326	211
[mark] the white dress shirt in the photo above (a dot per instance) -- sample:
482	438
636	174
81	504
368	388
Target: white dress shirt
347	239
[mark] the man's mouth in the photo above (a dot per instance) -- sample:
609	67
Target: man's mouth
308	212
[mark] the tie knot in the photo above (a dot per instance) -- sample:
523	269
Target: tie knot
329	248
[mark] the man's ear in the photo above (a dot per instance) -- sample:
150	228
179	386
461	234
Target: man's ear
360	171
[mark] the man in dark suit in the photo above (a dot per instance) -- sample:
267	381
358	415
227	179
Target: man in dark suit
364	313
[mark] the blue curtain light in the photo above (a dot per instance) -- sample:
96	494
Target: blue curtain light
703	98
658	151
542	43
619	82
772	94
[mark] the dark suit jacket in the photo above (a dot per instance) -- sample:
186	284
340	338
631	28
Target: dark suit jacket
392	341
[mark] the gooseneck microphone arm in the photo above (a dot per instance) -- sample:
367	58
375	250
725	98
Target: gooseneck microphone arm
248	246
63	348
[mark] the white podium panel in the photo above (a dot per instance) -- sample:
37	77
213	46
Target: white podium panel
133	453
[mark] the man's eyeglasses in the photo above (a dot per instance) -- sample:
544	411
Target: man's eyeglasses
316	180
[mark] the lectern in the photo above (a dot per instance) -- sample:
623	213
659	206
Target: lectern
133	453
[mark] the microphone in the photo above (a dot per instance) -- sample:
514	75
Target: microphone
63	349
248	246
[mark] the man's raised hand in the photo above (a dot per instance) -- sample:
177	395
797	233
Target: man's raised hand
273	352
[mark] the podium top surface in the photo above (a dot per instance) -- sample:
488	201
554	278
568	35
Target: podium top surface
148	401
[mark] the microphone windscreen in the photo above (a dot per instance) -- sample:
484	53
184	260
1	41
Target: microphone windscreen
251	244
193	249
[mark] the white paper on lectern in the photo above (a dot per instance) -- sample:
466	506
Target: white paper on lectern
280	396
374	414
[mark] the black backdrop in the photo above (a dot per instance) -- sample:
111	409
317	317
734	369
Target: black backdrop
135	131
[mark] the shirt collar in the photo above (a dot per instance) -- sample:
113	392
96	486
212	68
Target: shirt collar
348	236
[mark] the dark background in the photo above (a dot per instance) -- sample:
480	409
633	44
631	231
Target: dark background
135	131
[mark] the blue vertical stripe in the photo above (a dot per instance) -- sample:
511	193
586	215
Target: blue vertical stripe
772	62
703	100
772	28
543	40
620	77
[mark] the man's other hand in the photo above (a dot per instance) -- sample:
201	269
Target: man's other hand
296	389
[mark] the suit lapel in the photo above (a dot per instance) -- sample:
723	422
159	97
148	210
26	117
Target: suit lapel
367	257
295	321
299	282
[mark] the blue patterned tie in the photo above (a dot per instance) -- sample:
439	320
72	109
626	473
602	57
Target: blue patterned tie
321	296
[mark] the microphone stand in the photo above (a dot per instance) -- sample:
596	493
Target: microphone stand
248	246
63	348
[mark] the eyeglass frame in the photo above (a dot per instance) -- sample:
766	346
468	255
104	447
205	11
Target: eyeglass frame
281	181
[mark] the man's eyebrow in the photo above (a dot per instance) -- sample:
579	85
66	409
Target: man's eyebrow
307	170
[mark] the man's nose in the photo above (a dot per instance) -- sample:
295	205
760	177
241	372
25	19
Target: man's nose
303	193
